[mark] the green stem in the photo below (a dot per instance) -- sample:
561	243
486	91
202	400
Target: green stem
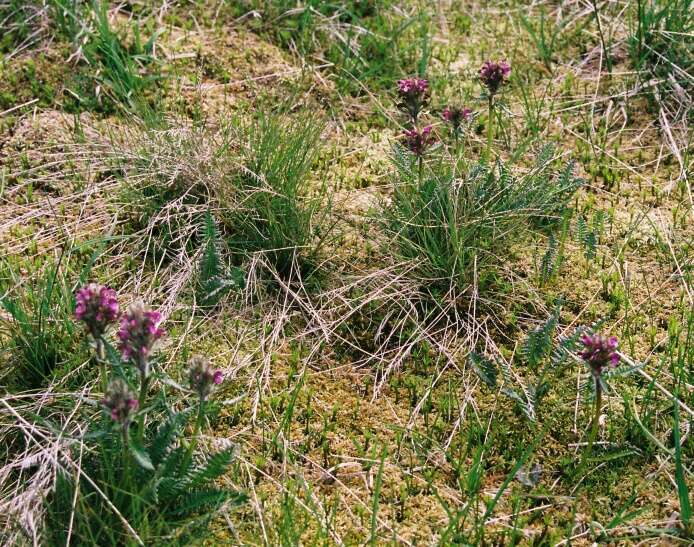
594	424
144	384
490	129
196	434
101	360
605	53
126	456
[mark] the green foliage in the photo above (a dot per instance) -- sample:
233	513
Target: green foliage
459	229
369	43
662	52
165	493
589	236
215	279
16	21
544	35
660	43
539	343
68	18
542	355
120	69
270	205
39	327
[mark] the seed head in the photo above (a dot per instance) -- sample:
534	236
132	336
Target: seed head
97	307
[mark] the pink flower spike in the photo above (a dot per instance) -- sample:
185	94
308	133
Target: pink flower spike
418	141
119	402
138	333
494	74
599	352
97	307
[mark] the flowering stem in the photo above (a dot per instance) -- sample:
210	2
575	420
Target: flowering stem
420	167
594	425
603	43
101	360
490	129
144	384
126	454
196	433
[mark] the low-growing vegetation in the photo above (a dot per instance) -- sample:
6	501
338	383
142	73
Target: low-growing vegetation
346	272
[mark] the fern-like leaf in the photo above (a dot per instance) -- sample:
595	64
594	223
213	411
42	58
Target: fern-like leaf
214	279
485	368
548	263
167	433
212	469
539	343
207	500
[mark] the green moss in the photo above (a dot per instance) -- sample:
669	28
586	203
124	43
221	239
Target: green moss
27	78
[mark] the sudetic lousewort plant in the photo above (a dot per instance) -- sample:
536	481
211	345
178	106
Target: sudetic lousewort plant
493	75
414	96
139	331
145	479
456	116
97	308
600	354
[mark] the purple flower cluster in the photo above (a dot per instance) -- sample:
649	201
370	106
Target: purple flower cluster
599	352
413	94
97	307
456	115
203	377
413	86
120	402
494	73
417	141
139	330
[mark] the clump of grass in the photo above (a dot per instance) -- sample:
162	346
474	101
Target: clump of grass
660	48
458	228
368	42
120	74
271	205
39	326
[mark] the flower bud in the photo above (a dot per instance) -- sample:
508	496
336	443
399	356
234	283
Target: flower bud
203	377
119	401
